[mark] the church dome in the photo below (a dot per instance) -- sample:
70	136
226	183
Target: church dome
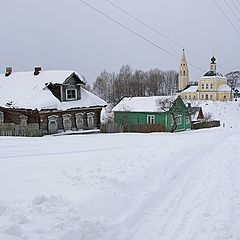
213	59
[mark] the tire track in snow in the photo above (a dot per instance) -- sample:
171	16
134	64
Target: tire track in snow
169	219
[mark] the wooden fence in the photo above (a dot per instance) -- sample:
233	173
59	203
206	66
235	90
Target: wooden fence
11	129
210	124
141	128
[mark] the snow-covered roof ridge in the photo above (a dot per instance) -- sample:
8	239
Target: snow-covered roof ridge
25	90
141	104
46	76
213	77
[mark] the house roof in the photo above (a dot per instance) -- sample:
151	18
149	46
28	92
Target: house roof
141	104
25	90
194	113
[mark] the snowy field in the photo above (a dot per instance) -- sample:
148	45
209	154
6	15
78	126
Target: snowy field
159	186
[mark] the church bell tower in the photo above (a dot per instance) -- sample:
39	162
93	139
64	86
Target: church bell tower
183	74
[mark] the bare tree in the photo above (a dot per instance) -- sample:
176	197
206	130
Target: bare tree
167	105
208	117
128	83
233	79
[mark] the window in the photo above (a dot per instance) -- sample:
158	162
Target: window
52	124
150	119
172	120
211	86
185	97
80	123
184	73
179	120
211	96
206	96
1	117
67	122
187	120
71	94
90	120
206	85
24	120
202	86
202	96
224	97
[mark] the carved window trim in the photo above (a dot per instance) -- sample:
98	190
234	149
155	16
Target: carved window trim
67	118
24	120
53	120
80	123
91	119
1	117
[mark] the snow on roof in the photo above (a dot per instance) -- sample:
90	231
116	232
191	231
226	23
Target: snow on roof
25	90
191	89
212	78
141	104
224	88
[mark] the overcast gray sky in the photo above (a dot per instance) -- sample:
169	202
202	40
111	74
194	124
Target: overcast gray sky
66	34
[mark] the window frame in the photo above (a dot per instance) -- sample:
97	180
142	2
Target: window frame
179	119
71	89
151	119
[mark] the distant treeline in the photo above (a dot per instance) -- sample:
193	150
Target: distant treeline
112	87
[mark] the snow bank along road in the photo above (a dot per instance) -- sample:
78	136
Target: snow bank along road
180	186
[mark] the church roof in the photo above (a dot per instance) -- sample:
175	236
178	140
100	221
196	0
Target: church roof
224	88
212	74
191	89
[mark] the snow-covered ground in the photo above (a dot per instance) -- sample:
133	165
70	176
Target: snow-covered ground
157	186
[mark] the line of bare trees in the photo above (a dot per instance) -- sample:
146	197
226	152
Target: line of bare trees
112	87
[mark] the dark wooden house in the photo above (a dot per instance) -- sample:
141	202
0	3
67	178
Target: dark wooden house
54	100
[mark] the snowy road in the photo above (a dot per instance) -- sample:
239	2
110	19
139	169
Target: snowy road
199	200
183	186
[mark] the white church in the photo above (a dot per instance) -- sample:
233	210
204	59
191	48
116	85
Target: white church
211	86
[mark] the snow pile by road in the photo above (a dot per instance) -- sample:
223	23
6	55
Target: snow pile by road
158	186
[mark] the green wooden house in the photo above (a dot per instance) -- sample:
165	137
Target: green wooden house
168	112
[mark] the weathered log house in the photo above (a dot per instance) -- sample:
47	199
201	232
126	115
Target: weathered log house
55	100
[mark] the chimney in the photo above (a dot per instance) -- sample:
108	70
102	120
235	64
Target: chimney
8	71
37	70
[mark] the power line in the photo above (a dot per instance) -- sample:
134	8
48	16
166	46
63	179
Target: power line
135	33
238	2
235	5
231	60
221	10
153	29
232	10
